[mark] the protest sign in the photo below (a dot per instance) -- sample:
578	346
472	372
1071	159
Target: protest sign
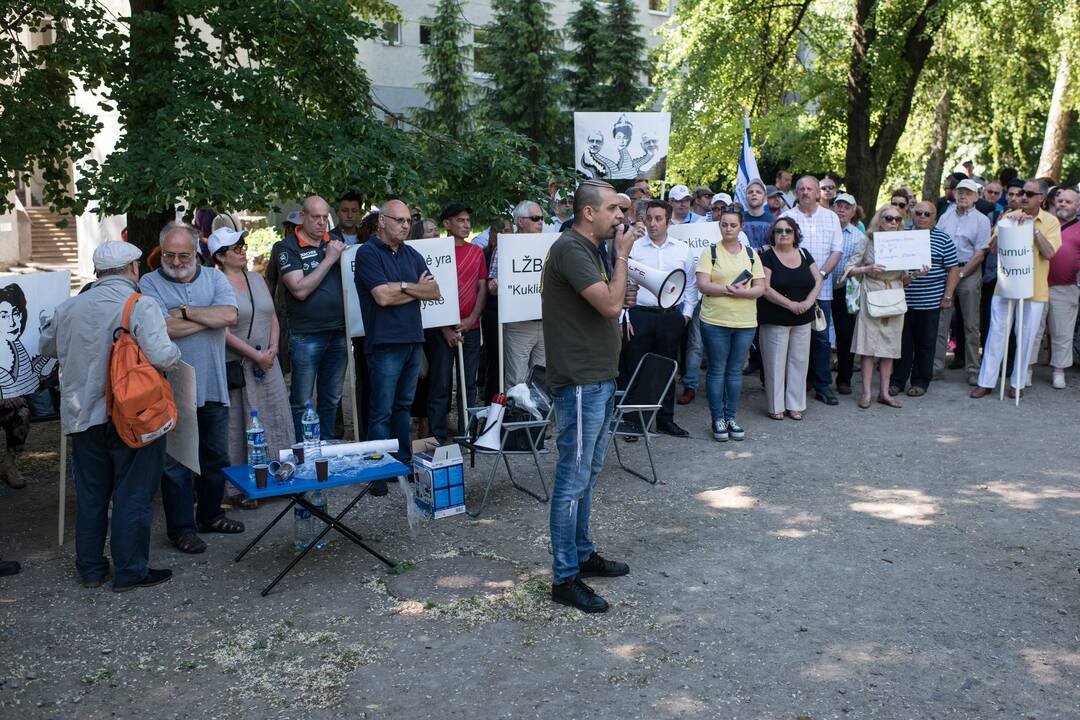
699	236
439	255
182	442
1016	259
621	146
25	300
902	249
353	317
520	265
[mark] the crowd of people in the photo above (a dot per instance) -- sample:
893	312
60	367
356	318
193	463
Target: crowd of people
791	293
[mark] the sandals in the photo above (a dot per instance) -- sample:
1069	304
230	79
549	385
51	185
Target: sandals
864	403
224	525
239	500
794	414
776	416
190	543
891	402
916	391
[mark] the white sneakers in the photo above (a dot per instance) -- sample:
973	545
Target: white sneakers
1059	379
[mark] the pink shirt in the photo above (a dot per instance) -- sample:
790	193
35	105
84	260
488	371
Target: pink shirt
1066	261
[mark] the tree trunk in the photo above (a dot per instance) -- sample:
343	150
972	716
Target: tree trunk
935	163
869	152
1057	123
154	28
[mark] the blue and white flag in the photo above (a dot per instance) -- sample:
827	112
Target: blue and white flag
747	170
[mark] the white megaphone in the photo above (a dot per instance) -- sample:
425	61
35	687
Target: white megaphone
668	288
491	436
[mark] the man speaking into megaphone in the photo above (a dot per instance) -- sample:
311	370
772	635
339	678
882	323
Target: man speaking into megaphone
657	323
581	302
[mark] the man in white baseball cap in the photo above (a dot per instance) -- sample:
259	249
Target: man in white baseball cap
679	197
80	334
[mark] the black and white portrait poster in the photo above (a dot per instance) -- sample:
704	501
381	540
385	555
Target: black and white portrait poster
621	146
25	300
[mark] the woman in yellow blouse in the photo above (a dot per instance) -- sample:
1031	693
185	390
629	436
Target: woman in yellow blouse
730	279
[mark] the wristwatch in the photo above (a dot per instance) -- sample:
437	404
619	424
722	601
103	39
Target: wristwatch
961	274
404	286
183	312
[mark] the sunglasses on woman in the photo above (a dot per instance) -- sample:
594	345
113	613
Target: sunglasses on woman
783	231
891	218
899	205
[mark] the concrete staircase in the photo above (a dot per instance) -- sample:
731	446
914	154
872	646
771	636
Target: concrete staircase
52	247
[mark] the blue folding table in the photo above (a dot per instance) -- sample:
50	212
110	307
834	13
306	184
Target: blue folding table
344	470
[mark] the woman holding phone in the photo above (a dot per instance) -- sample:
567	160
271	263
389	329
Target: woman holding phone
730	278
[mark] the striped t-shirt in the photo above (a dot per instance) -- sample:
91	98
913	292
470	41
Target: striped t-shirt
925	293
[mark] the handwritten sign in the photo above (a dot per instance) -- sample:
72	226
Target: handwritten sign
699	236
1016	259
902	250
439	255
182	442
354	319
520	264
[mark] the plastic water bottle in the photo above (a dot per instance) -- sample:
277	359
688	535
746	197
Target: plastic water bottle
258	372
305	525
309	427
256	440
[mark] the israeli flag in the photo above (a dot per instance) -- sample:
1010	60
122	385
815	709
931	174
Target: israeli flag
747	170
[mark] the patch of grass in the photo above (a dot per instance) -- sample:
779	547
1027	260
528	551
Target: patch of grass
402	567
96	676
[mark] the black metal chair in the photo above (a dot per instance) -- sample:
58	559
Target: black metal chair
531	430
641	400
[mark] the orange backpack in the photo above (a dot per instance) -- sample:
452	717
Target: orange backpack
138	398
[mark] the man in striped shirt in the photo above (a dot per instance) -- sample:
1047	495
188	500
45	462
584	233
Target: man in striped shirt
927	294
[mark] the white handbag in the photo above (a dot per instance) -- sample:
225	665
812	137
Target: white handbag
889	302
820	324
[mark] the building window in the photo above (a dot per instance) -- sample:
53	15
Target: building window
391	33
425	34
660	7
483	65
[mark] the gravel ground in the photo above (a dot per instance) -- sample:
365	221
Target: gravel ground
914	563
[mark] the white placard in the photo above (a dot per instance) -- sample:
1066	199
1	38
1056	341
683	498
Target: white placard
903	249
1016	259
353	316
182	442
439	255
521	259
25	301
621	146
699	236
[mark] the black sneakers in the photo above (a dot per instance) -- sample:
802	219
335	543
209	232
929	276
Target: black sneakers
597	566
153	577
577	594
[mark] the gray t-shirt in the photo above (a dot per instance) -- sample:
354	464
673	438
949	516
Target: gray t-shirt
204	350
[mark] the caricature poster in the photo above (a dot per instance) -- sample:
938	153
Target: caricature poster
621	146
24	301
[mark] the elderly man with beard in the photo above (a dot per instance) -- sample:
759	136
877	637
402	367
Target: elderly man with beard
199	304
581	304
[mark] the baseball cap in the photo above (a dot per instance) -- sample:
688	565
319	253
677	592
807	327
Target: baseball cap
702	191
678	192
294	218
772	191
844	198
721	197
454	209
968	184
757	181
115	254
224	237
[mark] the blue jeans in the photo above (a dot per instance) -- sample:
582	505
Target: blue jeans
393	372
694	348
319	362
582	413
106	469
179	494
727	354
821	350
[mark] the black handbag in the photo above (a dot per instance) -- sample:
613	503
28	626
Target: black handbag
234	369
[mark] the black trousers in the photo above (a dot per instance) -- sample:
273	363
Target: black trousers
917	349
844	327
654	332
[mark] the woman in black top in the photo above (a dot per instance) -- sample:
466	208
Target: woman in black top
785	313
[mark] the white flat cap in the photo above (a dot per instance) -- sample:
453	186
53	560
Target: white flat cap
115	254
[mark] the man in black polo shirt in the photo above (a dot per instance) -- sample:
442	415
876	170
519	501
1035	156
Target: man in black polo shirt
392	279
581	303
307	261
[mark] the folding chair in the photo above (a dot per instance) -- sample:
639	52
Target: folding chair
532	430
643	398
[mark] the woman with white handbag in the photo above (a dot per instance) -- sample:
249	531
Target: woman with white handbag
879	328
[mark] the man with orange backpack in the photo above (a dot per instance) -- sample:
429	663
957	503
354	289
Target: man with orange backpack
81	335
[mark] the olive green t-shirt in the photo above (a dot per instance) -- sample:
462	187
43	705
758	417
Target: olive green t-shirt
582	346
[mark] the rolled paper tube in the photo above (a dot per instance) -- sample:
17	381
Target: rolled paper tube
355	448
